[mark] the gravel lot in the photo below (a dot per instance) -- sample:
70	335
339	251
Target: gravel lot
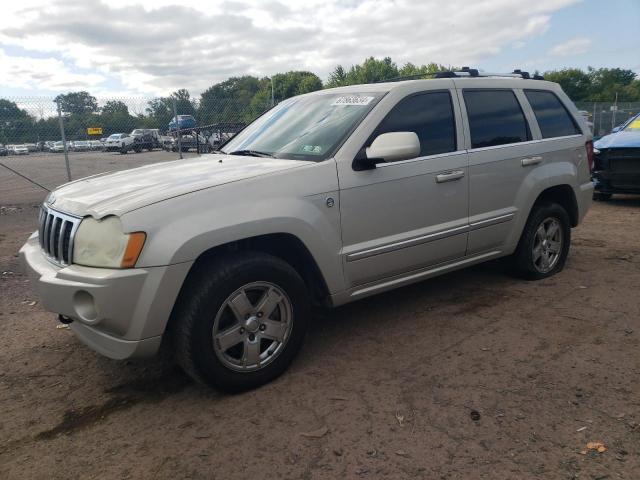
470	375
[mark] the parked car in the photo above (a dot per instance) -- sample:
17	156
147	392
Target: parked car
3	151
146	139
328	198
118	142
31	147
57	147
96	145
183	122
19	150
617	161
81	146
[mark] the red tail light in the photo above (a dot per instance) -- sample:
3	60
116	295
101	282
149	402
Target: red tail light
589	147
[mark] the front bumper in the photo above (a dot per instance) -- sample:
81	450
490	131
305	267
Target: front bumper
119	313
608	182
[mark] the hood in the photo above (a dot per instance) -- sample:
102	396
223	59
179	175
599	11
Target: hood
623	139
120	192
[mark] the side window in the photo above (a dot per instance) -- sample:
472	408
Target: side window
429	115
553	118
495	118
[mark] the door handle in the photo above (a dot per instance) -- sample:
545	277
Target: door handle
531	161
449	176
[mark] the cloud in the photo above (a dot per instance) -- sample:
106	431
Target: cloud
573	46
43	73
154	47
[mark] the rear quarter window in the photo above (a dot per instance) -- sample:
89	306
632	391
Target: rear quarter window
553	117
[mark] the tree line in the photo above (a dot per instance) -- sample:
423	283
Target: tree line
241	99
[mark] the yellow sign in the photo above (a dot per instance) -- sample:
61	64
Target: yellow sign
94	131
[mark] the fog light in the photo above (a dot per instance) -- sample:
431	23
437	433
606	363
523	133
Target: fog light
85	305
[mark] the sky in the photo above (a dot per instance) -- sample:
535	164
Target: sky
144	48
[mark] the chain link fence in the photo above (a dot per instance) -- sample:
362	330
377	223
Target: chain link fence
76	135
604	116
47	141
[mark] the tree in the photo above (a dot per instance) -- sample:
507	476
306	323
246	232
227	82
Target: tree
575	83
607	82
77	103
229	101
337	78
115	107
16	125
293	83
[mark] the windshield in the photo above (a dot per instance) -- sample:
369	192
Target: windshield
115	136
633	124
304	128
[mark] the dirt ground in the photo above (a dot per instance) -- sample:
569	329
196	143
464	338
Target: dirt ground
471	375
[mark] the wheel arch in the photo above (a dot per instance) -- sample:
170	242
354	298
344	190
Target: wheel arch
285	246
563	195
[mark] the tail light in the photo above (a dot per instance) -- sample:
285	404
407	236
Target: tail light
589	147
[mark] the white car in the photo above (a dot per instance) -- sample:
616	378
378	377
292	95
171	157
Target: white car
57	147
119	142
20	150
327	198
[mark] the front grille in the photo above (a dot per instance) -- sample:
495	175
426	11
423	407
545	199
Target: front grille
56	231
625	165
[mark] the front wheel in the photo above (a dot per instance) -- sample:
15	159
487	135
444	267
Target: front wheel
240	320
544	245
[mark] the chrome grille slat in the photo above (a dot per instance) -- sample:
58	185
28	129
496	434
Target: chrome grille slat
57	231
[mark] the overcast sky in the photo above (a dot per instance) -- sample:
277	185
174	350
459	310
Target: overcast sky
152	47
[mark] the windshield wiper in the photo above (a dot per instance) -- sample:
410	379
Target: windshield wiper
252	153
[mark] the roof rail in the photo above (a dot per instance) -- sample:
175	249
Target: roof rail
472	72
463	72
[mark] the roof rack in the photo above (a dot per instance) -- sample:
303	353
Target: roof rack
463	72
473	72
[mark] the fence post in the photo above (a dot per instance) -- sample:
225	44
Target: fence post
64	141
175	115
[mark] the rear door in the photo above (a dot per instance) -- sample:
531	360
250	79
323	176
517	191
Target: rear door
500	144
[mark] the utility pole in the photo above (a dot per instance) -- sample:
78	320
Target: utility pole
175	115
64	142
272	97
615	109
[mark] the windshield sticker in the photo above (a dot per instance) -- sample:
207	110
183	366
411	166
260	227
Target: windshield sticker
316	149
352	100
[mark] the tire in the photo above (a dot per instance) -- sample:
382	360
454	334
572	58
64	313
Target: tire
541	255
205	303
601	197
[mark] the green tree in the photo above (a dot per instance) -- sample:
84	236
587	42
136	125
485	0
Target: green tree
115	107
607	82
575	83
16	125
77	103
337	78
229	101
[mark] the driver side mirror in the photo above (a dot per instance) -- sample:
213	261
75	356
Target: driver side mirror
616	129
394	146
388	147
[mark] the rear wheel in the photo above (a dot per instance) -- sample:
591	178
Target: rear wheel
544	245
240	320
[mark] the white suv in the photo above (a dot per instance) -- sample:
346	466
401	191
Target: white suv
327	198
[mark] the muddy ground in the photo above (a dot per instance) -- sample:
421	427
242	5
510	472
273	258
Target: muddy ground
470	375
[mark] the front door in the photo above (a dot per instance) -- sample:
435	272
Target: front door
410	214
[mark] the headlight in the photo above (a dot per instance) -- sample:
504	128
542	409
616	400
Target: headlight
596	151
102	243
